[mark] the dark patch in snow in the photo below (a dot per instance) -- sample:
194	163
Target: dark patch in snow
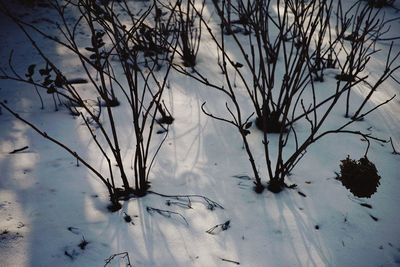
72	254
128	218
82	245
161	131
7	236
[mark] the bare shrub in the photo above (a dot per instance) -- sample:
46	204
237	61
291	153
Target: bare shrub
116	68
280	67
189	21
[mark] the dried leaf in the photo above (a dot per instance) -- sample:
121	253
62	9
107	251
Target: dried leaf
91	49
31	70
248	125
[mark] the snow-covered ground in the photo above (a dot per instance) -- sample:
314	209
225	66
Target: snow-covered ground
49	206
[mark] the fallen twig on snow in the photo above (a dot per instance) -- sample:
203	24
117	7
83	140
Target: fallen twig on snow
19	150
211	204
183	204
124	255
223	226
166	213
394	150
231	261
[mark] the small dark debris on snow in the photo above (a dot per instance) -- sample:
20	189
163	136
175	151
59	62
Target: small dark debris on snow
161	131
128	218
19	150
316	227
226	225
292	186
301	194
374	218
73	230
221	227
72	255
82	245
66	253
366	205
230	261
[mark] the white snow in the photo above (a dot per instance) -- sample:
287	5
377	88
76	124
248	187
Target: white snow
48	205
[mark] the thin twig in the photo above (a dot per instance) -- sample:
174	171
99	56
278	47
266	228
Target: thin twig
230	261
222	226
123	254
210	203
19	150
166	213
394	149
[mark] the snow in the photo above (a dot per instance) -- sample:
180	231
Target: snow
48	205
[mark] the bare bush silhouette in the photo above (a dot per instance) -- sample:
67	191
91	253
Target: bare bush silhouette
114	63
188	20
281	64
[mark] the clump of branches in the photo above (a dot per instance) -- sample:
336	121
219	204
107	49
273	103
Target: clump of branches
279	65
237	16
361	27
112	64
189	20
153	36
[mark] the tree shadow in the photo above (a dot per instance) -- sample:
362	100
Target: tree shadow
52	199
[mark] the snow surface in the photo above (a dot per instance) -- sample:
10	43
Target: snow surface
48	206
